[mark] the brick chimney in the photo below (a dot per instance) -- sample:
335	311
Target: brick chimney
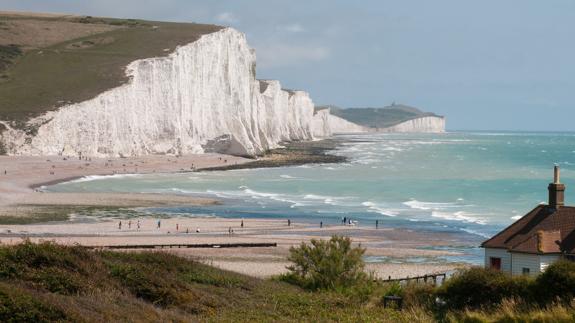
556	191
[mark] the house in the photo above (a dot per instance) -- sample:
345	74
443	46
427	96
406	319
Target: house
538	239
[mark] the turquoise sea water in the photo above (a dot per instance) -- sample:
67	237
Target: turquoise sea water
469	183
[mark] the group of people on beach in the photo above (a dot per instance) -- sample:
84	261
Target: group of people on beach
130	225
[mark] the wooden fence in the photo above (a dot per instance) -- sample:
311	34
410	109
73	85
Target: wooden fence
425	279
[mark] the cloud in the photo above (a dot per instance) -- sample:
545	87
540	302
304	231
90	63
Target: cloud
227	18
274	55
292	28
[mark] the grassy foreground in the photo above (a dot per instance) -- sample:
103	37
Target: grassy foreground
46	282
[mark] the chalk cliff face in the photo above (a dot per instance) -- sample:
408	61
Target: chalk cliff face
201	98
429	124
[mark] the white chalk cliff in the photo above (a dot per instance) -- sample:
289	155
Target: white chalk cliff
203	97
326	124
429	124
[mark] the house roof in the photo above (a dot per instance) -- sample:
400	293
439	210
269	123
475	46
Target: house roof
543	230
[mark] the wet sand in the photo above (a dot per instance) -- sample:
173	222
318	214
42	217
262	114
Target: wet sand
259	262
20	178
20	196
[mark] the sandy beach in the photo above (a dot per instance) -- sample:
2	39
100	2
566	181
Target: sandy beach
21	176
20	196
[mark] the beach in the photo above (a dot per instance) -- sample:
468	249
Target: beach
21	195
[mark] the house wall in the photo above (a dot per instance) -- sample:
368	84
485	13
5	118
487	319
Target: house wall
523	260
514	263
500	253
546	260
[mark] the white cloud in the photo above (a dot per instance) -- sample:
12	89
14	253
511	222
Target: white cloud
292	28
227	18
273	55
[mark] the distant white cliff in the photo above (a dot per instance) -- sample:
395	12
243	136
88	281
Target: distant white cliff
428	124
326	124
201	98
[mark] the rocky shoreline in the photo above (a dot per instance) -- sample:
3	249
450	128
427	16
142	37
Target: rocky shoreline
292	154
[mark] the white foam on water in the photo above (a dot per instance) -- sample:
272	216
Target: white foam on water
418	205
516	217
459	216
475	233
91	178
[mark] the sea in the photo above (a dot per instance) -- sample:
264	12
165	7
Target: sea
471	184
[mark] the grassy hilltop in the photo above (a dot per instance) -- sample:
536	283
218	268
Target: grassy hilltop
379	117
48	61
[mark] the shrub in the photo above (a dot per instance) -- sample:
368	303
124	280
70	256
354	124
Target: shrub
557	282
419	295
19	305
477	287
332	264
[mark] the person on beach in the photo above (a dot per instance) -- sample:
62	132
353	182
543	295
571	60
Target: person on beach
289	223
344	221
177	227
130	224
230	231
321	224
159	223
242	224
120	225
376	223
138	225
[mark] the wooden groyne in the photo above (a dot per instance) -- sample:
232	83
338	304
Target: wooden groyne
187	245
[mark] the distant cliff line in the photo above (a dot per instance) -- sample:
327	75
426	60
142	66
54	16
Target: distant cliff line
200	96
393	118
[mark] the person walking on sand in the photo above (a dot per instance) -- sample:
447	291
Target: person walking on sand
120	225
138	225
321	224
376	223
289	223
177	227
159	223
242	224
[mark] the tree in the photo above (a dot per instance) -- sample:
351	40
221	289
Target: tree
328	264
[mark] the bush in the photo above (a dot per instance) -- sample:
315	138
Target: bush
557	282
332	264
477	287
419	295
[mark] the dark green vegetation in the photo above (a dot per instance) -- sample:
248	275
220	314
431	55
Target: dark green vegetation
379	117
332	264
471	295
47	282
74	69
8	53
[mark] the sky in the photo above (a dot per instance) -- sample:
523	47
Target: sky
485	65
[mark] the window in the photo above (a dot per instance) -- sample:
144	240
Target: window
525	271
495	263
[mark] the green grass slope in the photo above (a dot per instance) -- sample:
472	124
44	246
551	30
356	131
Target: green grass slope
47	282
49	61
380	117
